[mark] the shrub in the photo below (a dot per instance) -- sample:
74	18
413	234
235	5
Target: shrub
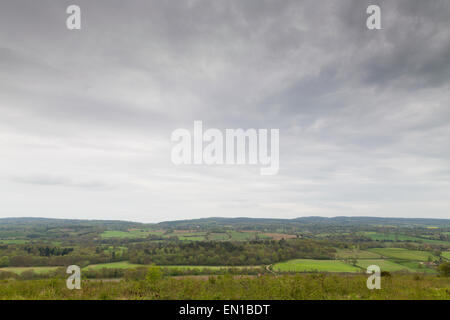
444	269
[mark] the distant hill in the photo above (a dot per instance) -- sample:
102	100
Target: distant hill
44	222
241	222
307	221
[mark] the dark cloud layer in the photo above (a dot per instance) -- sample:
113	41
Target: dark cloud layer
363	115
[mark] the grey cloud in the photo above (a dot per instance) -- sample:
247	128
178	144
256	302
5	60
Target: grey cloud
363	115
53	180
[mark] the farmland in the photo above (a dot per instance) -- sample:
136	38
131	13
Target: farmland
189	235
223	249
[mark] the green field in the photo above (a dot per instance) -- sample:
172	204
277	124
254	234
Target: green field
310	265
241	236
357	254
19	270
209	267
192	237
377	236
13	241
113	265
127	265
188	236
399	265
403	254
324	235
116	249
119	265
156	232
125	234
446	255
218	236
416	266
385	265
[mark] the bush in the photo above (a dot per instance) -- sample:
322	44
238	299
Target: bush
386	274
154	274
444	269
4	262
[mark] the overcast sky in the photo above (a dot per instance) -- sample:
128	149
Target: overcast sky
86	116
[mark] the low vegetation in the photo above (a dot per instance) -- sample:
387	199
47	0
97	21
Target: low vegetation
300	286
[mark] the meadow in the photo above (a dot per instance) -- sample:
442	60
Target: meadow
310	265
417	266
13	241
356	254
298	287
20	270
113	265
124	234
378	236
219	236
385	265
404	254
128	265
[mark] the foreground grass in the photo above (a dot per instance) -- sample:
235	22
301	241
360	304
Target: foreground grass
301	286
